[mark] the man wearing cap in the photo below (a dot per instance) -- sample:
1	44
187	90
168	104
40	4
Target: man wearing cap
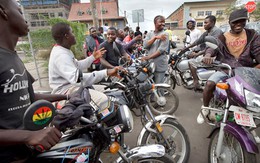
239	47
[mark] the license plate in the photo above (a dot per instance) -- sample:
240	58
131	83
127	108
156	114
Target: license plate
242	117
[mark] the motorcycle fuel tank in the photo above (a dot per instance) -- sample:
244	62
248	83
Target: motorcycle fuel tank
183	65
204	74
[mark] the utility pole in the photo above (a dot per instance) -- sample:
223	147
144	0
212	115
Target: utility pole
101	14
138	19
31	47
94	13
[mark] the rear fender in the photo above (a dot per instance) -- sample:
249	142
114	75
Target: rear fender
161	118
245	138
162	85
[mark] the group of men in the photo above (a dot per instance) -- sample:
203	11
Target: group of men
239	47
65	71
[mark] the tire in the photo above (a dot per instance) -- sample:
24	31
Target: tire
233	150
180	143
164	159
170	79
171	103
173	81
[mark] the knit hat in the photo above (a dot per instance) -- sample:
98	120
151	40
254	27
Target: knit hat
238	15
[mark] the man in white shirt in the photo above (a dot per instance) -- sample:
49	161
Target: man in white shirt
65	72
194	32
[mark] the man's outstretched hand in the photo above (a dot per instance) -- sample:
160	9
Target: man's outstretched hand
98	53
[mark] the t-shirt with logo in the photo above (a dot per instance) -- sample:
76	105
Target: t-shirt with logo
236	43
15	96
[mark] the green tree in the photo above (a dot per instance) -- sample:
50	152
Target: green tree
256	14
42	39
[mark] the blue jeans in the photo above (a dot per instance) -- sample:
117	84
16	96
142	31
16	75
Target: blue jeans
158	77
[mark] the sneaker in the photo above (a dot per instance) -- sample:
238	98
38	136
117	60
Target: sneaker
200	118
257	139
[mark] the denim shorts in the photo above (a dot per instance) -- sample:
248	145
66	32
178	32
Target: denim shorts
218	76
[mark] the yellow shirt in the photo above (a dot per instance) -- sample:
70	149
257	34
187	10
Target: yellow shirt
169	33
236	43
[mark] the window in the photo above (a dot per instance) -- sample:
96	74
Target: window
199	24
44	15
33	24
44	23
34	16
200	13
208	13
219	12
52	15
60	14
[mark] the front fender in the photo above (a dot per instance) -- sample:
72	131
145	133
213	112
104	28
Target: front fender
147	151
245	138
161	118
162	85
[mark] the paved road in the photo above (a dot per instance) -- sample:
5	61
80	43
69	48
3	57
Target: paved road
186	114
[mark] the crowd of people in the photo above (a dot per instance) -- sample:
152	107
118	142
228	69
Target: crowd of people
102	55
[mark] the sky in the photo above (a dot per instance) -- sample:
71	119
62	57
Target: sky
151	9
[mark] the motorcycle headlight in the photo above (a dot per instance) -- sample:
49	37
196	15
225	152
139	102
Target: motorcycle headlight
125	117
151	67
253	101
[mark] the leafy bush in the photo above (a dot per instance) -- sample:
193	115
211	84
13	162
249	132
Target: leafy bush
42	39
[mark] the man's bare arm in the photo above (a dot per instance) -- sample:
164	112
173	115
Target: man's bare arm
105	63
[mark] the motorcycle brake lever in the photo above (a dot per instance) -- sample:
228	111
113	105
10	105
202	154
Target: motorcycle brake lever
39	148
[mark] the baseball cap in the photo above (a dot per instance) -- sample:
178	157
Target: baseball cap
238	15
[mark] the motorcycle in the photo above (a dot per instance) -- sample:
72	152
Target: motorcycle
179	71
136	90
160	103
236	105
95	131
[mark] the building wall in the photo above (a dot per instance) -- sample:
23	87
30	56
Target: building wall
36	17
201	10
198	11
176	20
36	11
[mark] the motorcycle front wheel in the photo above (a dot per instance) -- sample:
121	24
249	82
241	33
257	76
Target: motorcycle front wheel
167	103
177	138
165	158
231	150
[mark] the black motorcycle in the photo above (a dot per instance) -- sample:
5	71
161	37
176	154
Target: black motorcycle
88	133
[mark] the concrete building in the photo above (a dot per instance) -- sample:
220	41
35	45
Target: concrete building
199	10
36	11
107	14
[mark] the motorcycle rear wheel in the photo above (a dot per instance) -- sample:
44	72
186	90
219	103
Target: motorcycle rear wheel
231	149
176	137
171	105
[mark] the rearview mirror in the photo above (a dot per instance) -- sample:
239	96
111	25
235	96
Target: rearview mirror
187	33
211	42
38	115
